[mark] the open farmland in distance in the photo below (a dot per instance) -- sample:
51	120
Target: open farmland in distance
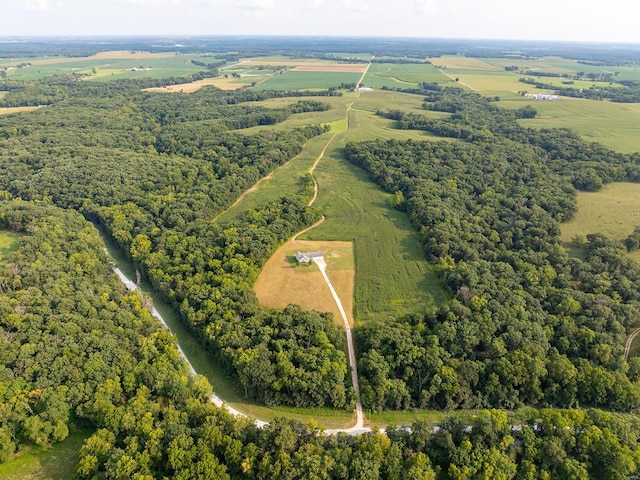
106	65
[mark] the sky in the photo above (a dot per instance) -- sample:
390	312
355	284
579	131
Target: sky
563	20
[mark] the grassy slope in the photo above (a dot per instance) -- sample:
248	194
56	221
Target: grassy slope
55	463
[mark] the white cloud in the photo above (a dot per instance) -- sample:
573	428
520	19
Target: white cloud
146	3
37	5
314	4
425	7
356	5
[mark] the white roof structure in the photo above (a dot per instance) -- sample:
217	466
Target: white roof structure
308	256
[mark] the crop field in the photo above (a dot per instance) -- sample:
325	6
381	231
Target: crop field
613	211
40	463
8	243
403	75
282	281
296	80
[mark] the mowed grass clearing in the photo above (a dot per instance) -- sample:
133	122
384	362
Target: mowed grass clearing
283	282
613	211
55	463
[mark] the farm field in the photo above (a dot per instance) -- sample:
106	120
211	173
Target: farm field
615	125
283	281
403	75
305	80
8	243
55	463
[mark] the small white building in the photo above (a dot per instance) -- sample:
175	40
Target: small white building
364	89
308	257
543	96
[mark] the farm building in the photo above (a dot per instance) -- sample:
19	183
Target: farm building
307	257
364	89
543	96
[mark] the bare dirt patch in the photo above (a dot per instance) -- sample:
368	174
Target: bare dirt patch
283	282
340	68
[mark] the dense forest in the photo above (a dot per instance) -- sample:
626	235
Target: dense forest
81	351
528	323
154	170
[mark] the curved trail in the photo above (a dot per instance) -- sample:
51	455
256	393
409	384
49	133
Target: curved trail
630	338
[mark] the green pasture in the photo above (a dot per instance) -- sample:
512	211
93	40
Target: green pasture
8	243
613	211
392	274
298	80
40	463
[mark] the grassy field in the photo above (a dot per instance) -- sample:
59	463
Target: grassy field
8	243
282	281
392	275
614	211
54	463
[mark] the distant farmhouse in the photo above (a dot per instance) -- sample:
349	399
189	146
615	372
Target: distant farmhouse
308	257
543	96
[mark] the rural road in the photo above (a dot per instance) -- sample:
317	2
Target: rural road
358	427
364	73
457	81
214	398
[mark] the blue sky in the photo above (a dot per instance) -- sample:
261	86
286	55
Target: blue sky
584	20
